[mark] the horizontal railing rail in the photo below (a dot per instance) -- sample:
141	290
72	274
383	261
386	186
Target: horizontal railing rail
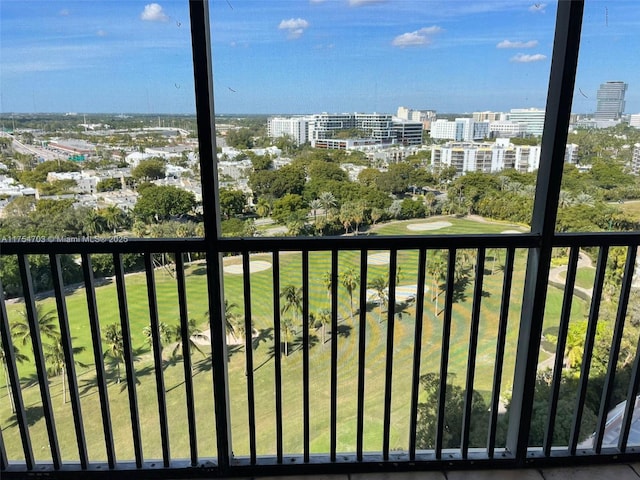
413	347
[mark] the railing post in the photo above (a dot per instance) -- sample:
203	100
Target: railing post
205	114
558	110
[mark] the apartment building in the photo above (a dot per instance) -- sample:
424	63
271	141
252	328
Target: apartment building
295	127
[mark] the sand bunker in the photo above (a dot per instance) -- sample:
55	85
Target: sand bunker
255	266
378	259
421	227
511	231
404	293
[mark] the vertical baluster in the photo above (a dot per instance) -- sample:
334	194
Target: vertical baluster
500	345
473	348
248	348
565	317
157	358
444	358
186	358
362	335
3	454
334	355
417	353
98	358
14	381
393	260
128	358
70	367
588	349
38	357
305	353
615	347
278	353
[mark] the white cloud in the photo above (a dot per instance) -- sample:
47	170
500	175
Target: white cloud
538	8
101	33
523	58
295	27
417	38
510	44
153	13
358	3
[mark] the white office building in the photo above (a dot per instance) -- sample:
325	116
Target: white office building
634	120
532	118
460	130
295	127
506	128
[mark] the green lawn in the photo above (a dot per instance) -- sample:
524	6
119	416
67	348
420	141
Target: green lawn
320	361
584	277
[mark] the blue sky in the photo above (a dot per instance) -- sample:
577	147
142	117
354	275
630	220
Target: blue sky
304	56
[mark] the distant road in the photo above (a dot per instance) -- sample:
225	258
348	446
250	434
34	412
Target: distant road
39	152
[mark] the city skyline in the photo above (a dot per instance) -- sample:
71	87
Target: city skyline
305	56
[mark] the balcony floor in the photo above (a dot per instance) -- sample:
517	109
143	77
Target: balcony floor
591	472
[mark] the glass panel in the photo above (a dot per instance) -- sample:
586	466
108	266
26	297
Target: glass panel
600	184
431	127
98	103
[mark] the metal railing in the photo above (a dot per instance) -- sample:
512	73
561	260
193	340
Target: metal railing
235	446
412	255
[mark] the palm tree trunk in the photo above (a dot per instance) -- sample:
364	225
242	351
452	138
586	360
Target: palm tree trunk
9	392
64	387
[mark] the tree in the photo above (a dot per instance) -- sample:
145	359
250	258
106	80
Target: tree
437	268
109	185
350	281
241	138
323	318
232	202
54	356
19	357
147	170
427	421
114	347
292	298
47	325
284	207
162	202
380	285
193	336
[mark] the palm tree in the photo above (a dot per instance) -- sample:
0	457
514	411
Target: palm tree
326	281
437	268
19	357
323	317
315	205
328	201
115	346
233	321
380	284
166	334
350	280
292	297
565	199
193	334
47	324
54	356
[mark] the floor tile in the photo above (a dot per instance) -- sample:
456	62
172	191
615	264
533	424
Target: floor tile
593	472
495	475
399	476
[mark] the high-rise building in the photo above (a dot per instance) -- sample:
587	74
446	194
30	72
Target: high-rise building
610	99
532	118
295	127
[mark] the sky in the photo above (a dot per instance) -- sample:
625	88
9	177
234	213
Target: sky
306	56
